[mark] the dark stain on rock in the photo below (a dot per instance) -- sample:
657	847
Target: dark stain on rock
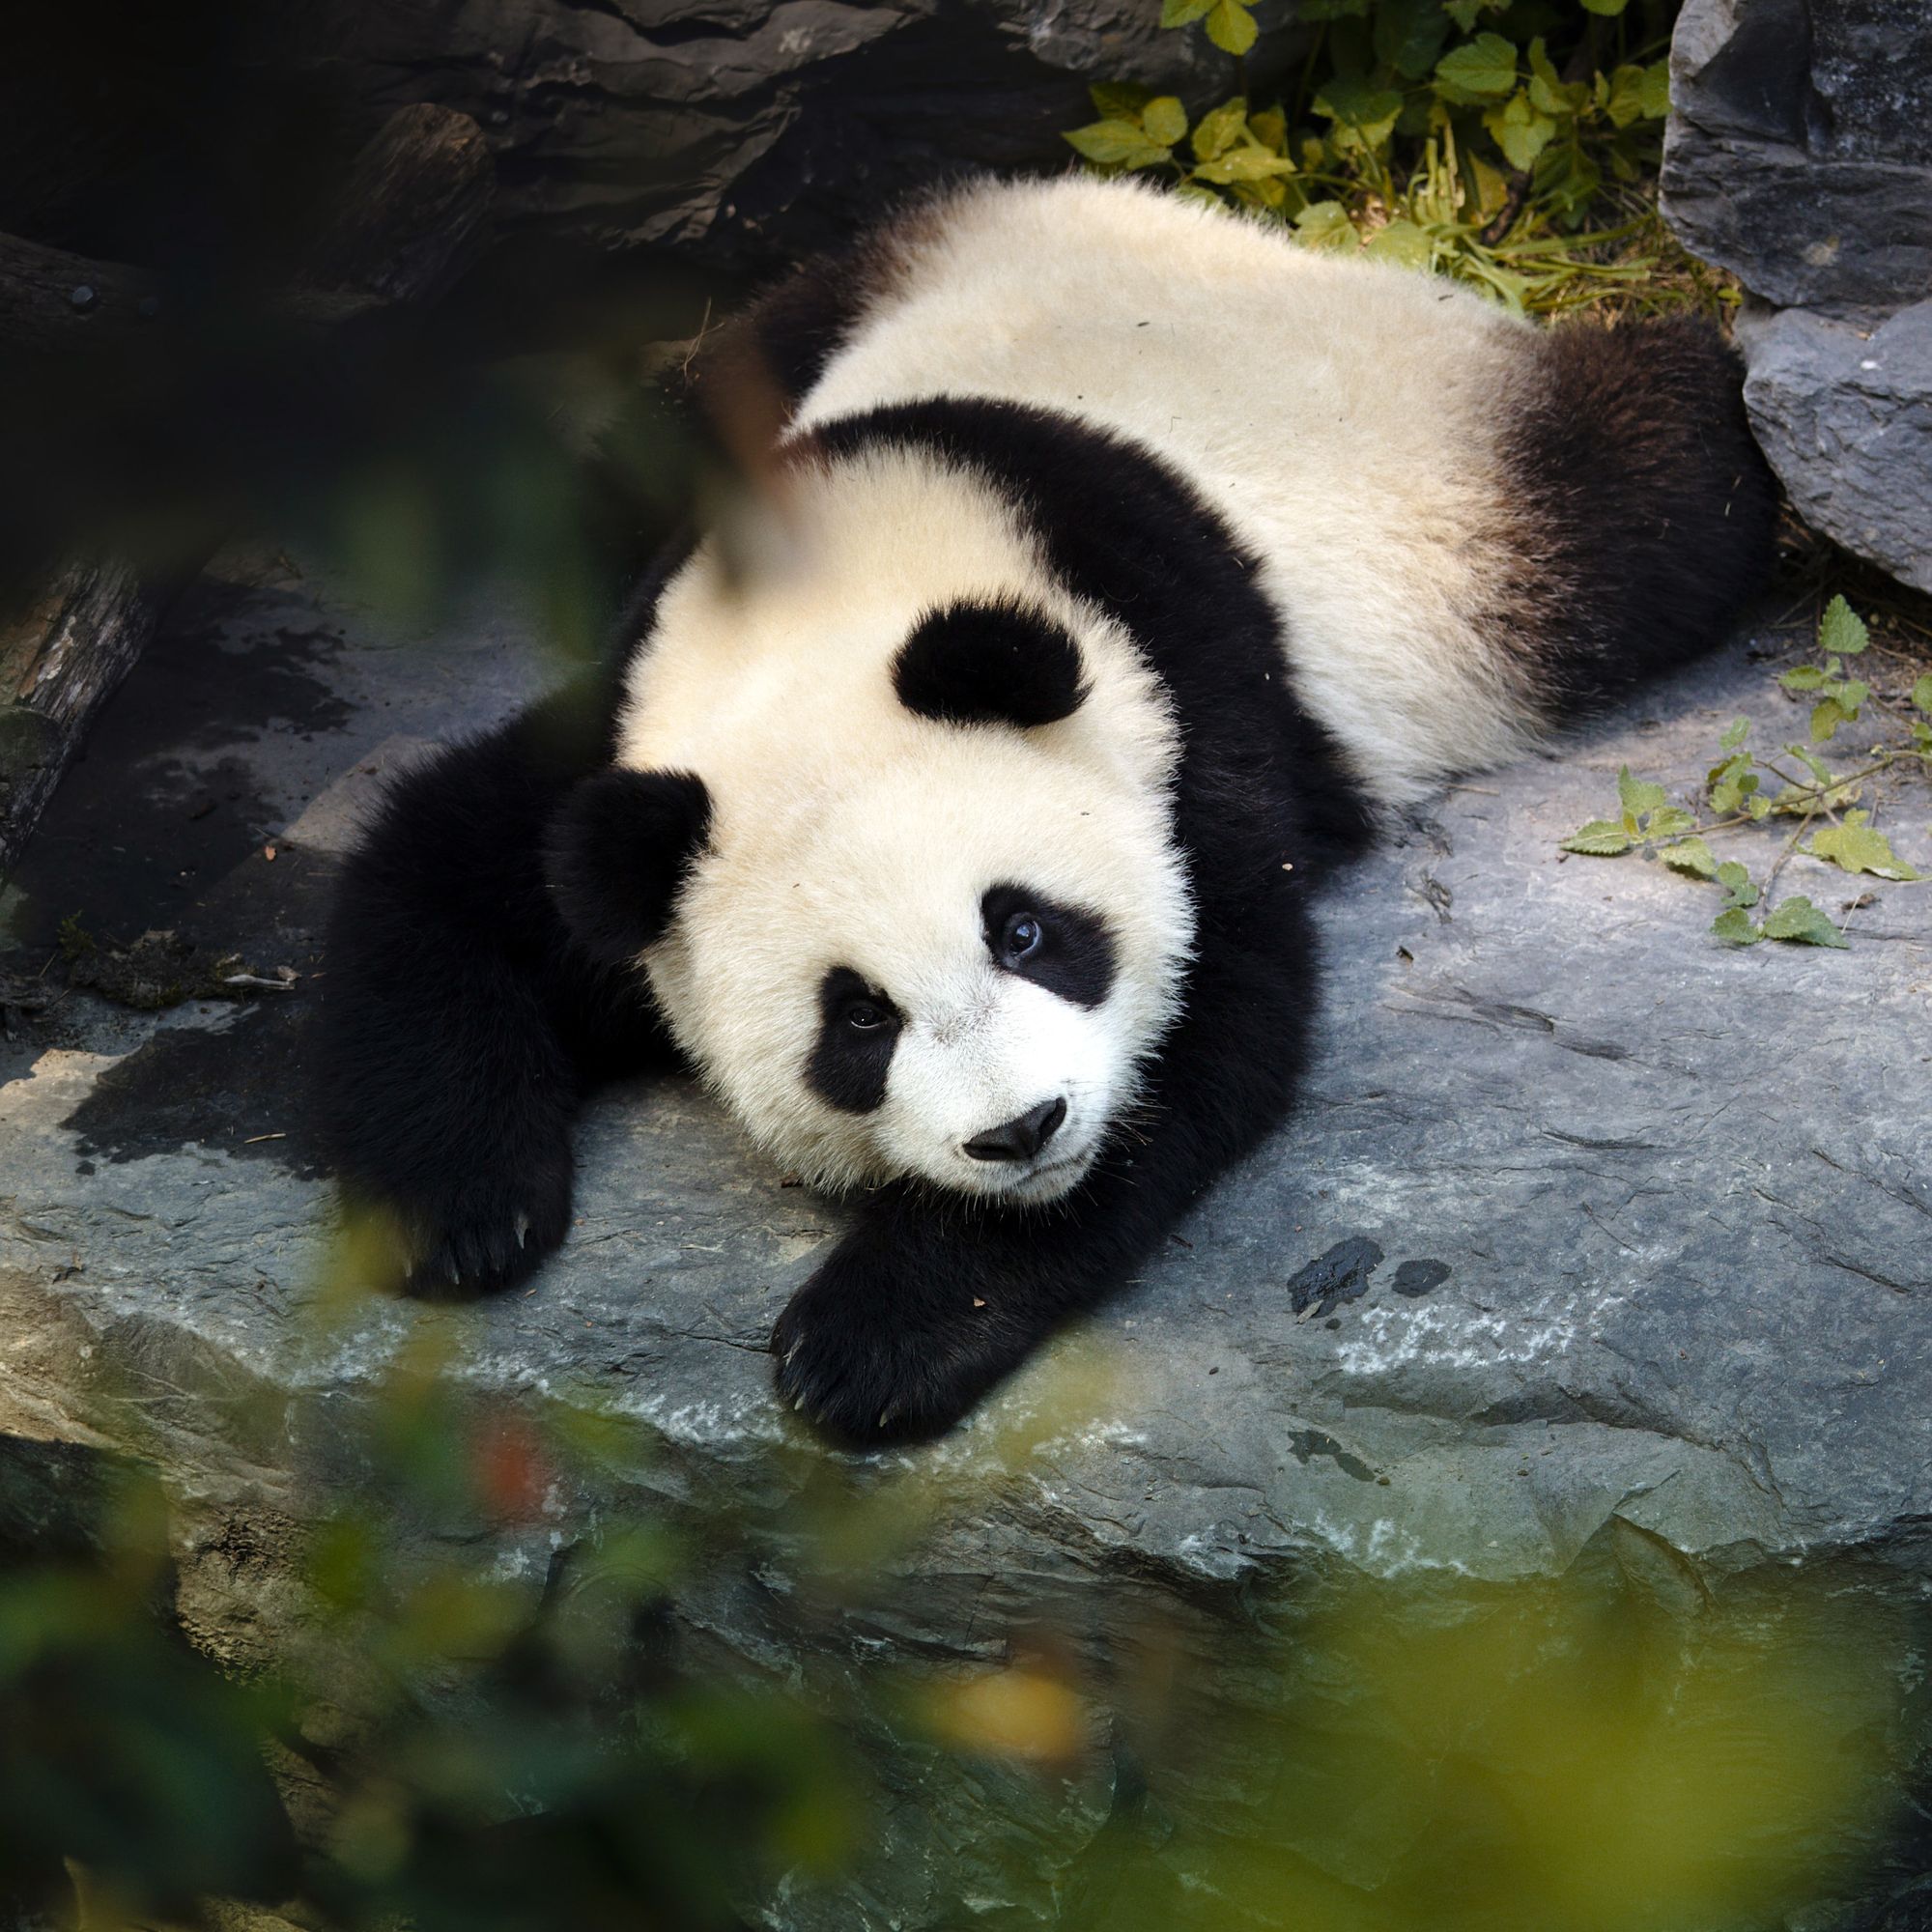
1341	1275
1308	1444
1416	1279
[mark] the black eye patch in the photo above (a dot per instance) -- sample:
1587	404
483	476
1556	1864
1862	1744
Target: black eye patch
1062	947
857	1032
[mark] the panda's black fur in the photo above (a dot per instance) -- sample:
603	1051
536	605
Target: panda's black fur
478	979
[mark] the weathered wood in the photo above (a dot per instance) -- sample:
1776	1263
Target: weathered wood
60	659
410	218
51	300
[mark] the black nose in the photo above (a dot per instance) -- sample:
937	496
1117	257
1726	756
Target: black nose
1022	1137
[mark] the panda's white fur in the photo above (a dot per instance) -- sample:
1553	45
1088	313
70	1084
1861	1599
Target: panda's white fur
847	831
1345	417
1116	561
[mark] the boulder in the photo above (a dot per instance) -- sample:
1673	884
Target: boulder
1798	155
1845	415
744	130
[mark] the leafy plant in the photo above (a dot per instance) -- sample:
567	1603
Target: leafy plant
1832	825
1481	137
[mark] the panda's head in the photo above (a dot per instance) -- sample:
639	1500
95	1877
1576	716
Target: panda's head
900	865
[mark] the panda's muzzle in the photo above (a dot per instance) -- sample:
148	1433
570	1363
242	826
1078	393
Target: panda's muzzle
1022	1137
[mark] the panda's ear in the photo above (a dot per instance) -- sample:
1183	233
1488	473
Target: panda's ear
618	849
991	663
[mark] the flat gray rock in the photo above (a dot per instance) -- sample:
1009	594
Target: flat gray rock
1652	1215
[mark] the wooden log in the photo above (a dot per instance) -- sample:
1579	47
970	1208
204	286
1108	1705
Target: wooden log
60	660
410	218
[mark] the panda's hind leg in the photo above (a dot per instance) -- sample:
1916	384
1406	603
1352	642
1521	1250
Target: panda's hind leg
459	1028
1644	512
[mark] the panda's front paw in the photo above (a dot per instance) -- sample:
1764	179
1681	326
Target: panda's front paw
871	1353
475	1234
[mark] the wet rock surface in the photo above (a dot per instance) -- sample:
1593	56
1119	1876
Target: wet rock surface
1799	156
1590	1236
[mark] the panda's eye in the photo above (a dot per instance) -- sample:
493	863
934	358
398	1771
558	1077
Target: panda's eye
1021	938
864	1016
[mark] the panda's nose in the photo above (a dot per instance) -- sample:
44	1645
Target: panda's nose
1022	1137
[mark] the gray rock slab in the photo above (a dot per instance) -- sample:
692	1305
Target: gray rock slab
1592	1243
1844	412
1654	1217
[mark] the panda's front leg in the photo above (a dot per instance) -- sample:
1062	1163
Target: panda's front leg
920	1310
461	1024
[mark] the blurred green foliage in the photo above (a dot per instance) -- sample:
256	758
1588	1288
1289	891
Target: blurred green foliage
511	1699
1510	143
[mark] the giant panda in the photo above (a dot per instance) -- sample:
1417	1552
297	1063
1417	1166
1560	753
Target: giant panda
954	811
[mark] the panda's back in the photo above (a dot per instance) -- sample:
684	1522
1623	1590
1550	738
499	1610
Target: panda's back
1345	418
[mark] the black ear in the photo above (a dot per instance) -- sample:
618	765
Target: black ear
997	662
617	850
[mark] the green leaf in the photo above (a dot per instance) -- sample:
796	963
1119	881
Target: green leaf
1232	27
1851	696
1270	128
1326	224
1366	115
1841	630
1668	821
1116	144
1624	103
1656	90
1798	921
1692	856
1807	677
1409	35
1735	928
1600	839
1827	715
1637	794
1922	694
1479	69
1202	197
1740	889
1401	242
1737	732
1548	89
1520	130
1855	847
1245	164
1216	132
1609	7
1812	763
1180	12
1165	120
1119	99
1462	11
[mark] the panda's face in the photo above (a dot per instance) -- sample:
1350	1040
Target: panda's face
952	972
929	918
